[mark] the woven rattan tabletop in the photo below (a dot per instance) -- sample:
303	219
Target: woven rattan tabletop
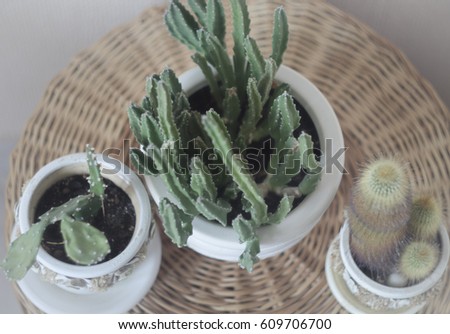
383	104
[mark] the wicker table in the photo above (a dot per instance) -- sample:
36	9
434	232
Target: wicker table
383	104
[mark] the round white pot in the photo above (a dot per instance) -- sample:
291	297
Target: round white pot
358	293
215	241
98	278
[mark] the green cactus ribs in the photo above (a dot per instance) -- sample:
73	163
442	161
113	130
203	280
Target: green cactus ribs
258	153
234	144
117	222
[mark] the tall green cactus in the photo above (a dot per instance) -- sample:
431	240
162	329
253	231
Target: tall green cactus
177	142
379	213
83	243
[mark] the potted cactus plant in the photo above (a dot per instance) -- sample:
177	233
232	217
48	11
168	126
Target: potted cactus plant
82	236
231	147
393	248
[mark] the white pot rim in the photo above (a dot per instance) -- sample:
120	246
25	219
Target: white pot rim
72	164
387	291
223	243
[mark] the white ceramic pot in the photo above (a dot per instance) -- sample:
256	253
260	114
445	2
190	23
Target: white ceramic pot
358	293
212	239
100	277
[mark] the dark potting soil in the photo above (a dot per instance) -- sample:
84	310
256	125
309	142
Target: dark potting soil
117	222
261	150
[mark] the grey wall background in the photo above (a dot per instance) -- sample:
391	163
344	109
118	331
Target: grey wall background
39	38
421	29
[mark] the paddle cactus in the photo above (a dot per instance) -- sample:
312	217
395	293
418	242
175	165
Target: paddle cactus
202	155
392	233
83	243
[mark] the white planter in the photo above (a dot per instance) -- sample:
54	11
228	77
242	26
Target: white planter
212	239
49	273
358	293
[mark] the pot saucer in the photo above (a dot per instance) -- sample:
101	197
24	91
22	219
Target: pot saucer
120	298
335	271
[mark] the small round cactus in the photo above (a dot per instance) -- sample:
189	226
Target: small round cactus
382	194
426	217
418	260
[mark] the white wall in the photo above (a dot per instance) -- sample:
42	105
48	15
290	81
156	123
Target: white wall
39	38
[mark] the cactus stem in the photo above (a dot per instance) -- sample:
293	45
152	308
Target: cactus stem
382	195
245	95
426	217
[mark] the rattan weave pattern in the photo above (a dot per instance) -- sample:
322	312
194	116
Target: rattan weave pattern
383	104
